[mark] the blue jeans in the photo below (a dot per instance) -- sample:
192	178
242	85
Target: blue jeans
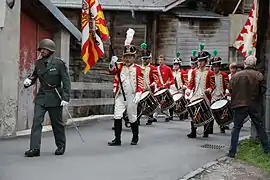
239	115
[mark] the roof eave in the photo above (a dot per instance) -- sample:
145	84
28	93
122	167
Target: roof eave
114	8
62	19
173	5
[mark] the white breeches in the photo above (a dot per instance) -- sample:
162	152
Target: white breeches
120	106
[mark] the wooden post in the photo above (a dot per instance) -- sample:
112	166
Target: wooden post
154	39
261	31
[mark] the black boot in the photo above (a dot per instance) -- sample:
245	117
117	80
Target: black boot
222	129
117	133
135	132
32	153
60	151
211	127
206	130
193	133
149	122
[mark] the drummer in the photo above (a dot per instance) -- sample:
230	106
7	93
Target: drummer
201	85
193	66
150	75
179	79
221	83
165	80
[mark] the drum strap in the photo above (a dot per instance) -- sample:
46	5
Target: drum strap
160	77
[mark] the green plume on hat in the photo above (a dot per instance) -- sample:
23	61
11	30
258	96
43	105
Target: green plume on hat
178	54
201	47
144	46
194	52
249	53
215	52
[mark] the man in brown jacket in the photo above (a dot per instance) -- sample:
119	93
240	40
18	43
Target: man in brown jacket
247	88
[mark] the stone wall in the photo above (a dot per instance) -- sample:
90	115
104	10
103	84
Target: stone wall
9	65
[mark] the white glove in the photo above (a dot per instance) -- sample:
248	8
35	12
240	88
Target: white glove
137	98
64	103
114	60
27	82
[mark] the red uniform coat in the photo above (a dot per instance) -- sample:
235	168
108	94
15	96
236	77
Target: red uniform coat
206	82
183	78
224	81
137	76
150	77
165	75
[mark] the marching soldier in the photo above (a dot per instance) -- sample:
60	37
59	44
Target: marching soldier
51	72
150	76
180	77
131	79
201	85
221	83
193	66
166	79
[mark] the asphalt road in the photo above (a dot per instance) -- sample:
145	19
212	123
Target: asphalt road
163	153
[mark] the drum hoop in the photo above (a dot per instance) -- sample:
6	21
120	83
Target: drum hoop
220	108
164	91
204	122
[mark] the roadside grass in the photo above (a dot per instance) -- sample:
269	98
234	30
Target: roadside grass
252	153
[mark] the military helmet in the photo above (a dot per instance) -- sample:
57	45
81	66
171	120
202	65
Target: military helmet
47	44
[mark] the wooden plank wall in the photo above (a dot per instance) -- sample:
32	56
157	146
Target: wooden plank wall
92	92
185	34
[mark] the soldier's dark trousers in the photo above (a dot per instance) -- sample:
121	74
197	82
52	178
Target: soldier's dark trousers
239	115
55	114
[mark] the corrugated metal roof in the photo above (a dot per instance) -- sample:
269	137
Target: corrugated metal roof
157	5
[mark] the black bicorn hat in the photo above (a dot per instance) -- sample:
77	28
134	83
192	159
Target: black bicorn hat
146	54
193	57
215	60
129	50
203	55
177	59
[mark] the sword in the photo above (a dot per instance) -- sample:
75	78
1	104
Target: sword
65	107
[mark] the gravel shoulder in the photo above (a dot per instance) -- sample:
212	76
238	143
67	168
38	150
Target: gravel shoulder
231	169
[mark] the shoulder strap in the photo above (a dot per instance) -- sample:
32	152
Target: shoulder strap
160	77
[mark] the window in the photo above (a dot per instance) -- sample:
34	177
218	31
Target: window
235	56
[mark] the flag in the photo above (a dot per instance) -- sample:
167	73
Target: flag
94	32
247	38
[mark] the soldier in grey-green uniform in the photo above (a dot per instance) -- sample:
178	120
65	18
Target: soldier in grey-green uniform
52	73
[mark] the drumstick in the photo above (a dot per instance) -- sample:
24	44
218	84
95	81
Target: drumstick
197	111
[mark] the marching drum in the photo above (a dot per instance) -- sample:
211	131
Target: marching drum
222	112
165	99
180	103
148	104
173	91
200	112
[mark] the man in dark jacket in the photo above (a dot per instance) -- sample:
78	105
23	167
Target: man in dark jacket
247	88
51	72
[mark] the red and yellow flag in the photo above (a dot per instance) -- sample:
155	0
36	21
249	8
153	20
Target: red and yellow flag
94	32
